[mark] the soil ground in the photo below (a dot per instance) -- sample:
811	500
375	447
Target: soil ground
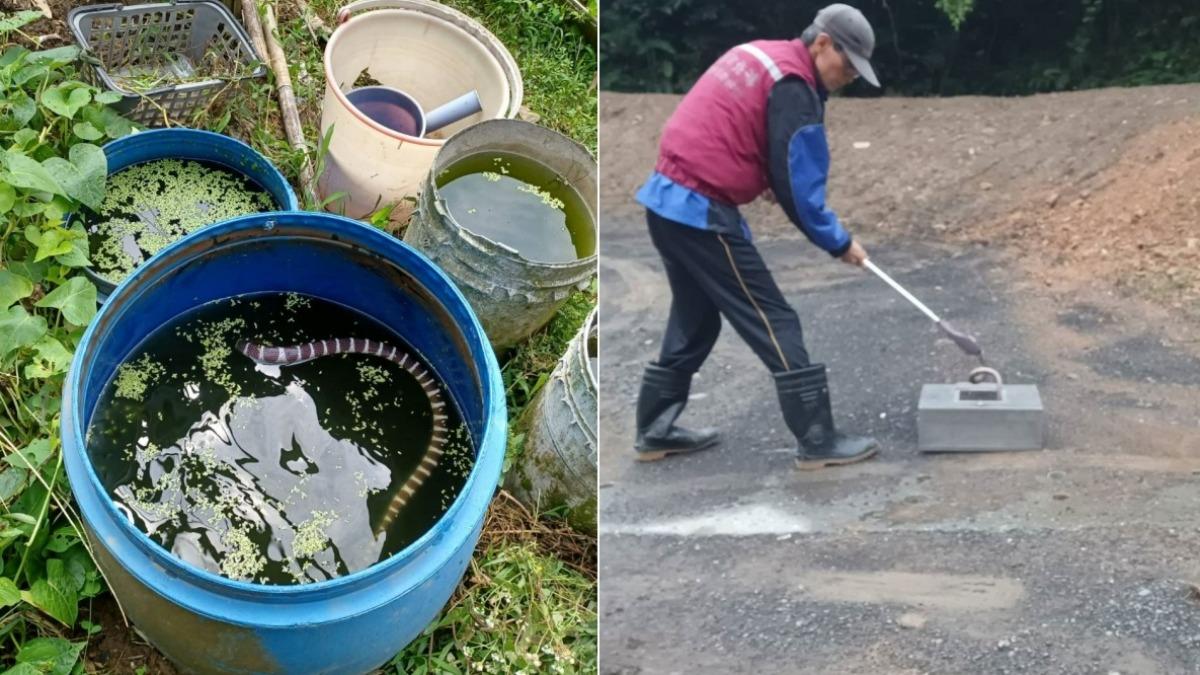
1061	230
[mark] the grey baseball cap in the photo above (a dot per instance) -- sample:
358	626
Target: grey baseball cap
853	33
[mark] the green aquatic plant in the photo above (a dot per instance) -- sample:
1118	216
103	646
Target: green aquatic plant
148	453
547	198
242	559
458	457
373	374
294	301
150	205
459	454
217	339
218	509
110	260
311	535
134	377
161	499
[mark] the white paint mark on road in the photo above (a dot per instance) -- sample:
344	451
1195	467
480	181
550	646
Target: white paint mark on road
737	521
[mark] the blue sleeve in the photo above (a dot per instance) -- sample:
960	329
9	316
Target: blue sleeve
808	170
798	163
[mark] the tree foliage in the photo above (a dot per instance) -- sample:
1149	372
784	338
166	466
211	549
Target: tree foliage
923	47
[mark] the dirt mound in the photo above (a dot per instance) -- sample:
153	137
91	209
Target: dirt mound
1137	226
1091	188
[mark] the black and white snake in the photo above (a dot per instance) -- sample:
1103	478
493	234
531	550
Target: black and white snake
291	355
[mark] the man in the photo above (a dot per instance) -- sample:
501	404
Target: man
753	121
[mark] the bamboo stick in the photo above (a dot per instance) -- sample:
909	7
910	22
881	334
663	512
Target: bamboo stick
254	27
287	100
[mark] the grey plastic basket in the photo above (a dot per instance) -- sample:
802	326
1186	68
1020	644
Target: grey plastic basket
183	39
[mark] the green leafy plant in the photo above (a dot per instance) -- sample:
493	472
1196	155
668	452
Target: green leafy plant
50	166
956	10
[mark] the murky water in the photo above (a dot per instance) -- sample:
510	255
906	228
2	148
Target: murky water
273	473
521	203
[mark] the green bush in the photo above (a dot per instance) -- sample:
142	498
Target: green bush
924	47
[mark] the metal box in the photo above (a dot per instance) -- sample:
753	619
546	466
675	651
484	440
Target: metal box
984	417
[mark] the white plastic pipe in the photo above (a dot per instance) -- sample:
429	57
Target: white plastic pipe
448	113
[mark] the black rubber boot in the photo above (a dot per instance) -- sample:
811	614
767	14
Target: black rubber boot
804	399
662	398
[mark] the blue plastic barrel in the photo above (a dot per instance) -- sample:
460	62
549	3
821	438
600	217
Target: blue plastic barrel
202	146
207	623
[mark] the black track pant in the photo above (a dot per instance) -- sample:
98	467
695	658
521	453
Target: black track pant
715	274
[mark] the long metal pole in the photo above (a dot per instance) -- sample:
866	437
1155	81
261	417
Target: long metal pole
900	289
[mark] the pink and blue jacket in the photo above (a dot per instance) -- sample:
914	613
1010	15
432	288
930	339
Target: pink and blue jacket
754	119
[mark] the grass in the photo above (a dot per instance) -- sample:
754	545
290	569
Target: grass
557	64
513	622
529	366
528	601
527	604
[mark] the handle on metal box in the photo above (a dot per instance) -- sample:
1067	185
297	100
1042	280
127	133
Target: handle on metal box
979	375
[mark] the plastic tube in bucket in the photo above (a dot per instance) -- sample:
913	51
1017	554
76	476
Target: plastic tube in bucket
398	111
448	113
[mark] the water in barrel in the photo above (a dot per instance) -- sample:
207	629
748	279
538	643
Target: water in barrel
279	438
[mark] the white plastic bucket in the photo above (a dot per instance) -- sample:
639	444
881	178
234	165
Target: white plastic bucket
431	52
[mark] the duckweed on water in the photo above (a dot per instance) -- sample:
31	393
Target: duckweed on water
218	338
295	301
547	198
148	453
458	457
373	374
311	536
150	205
134	377
242	559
